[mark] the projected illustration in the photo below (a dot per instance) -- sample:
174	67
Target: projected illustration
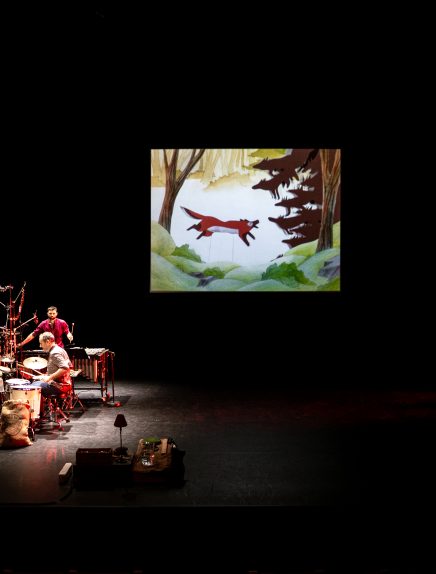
245	220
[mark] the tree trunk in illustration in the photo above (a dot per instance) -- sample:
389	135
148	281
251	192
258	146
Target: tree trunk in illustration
174	183
331	180
210	160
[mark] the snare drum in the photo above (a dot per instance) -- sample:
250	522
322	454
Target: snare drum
26	393
15	383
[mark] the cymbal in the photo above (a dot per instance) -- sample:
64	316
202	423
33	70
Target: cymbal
5	369
35	363
6	359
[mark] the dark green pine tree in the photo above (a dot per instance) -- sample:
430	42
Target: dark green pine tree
296	180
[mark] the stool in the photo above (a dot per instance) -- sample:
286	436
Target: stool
54	411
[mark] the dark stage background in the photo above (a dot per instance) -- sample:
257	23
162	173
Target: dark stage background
75	224
80	240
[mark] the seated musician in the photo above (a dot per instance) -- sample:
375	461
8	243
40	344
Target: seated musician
57	381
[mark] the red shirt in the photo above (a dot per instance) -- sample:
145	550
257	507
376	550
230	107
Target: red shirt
59	328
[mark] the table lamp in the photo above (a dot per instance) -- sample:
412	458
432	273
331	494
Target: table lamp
120	422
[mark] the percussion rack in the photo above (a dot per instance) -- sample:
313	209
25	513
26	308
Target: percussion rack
8	334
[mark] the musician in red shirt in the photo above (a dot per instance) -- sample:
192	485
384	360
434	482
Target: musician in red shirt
54	325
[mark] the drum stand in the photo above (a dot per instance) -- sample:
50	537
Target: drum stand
31	429
74	397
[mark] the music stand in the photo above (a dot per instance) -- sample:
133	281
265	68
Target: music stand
77	353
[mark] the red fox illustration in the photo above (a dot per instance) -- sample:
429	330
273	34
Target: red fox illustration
209	225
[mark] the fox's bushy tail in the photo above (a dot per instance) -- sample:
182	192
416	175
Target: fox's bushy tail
191	213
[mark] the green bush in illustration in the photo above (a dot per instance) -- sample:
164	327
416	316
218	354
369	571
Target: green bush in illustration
184	251
214	271
287	273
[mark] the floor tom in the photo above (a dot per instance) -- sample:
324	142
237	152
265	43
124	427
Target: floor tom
30	394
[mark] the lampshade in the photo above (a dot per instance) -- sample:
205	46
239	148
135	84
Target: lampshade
120	421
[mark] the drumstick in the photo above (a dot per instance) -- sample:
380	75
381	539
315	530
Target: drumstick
35	378
54	383
32	369
26	373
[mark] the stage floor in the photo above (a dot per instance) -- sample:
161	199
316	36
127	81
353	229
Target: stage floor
317	459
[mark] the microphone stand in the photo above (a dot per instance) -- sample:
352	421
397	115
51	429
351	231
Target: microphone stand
25	322
3	329
11	337
11	343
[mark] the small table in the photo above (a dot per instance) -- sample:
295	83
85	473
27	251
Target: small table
167	467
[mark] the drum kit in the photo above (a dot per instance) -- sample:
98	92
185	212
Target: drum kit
13	387
24	389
